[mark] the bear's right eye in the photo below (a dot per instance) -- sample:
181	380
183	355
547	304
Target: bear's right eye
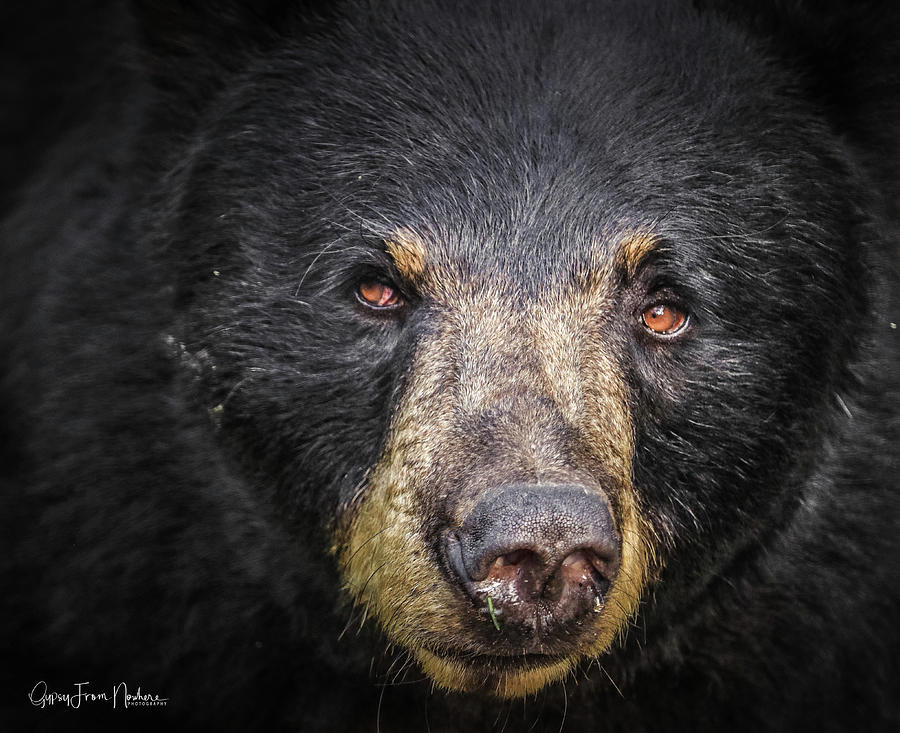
378	295
664	319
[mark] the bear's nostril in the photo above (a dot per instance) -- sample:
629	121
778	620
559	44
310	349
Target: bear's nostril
578	567
587	562
514	562
520	568
581	572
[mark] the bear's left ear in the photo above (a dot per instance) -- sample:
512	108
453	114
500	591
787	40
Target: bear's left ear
848	56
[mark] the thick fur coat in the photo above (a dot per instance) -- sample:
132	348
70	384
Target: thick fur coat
299	302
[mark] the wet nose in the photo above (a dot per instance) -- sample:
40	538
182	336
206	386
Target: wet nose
536	556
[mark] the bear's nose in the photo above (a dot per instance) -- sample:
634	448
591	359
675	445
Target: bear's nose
536	557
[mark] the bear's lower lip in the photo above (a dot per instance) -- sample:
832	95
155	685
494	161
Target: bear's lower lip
503	675
516	662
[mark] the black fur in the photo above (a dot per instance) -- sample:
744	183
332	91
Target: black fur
191	396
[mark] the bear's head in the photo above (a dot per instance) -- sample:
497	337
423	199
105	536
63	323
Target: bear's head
535	314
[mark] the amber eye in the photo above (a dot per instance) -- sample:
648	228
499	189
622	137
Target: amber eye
664	319
378	295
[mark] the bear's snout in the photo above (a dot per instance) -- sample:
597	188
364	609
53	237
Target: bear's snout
535	558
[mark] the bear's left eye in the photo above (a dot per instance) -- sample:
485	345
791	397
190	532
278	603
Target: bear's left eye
664	319
374	294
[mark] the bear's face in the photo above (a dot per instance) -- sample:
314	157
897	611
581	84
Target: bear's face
525	332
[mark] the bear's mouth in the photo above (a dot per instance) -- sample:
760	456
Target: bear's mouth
502	674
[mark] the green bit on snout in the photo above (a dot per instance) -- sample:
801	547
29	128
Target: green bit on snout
493	615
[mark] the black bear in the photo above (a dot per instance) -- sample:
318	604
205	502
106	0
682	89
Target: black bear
451	366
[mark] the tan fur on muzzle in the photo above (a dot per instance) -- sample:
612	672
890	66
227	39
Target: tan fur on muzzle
485	348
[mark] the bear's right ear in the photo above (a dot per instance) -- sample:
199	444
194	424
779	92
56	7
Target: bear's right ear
190	48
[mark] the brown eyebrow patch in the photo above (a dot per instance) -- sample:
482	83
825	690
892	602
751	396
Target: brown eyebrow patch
633	249
408	253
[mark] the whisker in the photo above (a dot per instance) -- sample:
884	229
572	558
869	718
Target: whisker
611	680
356	551
312	264
565	706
